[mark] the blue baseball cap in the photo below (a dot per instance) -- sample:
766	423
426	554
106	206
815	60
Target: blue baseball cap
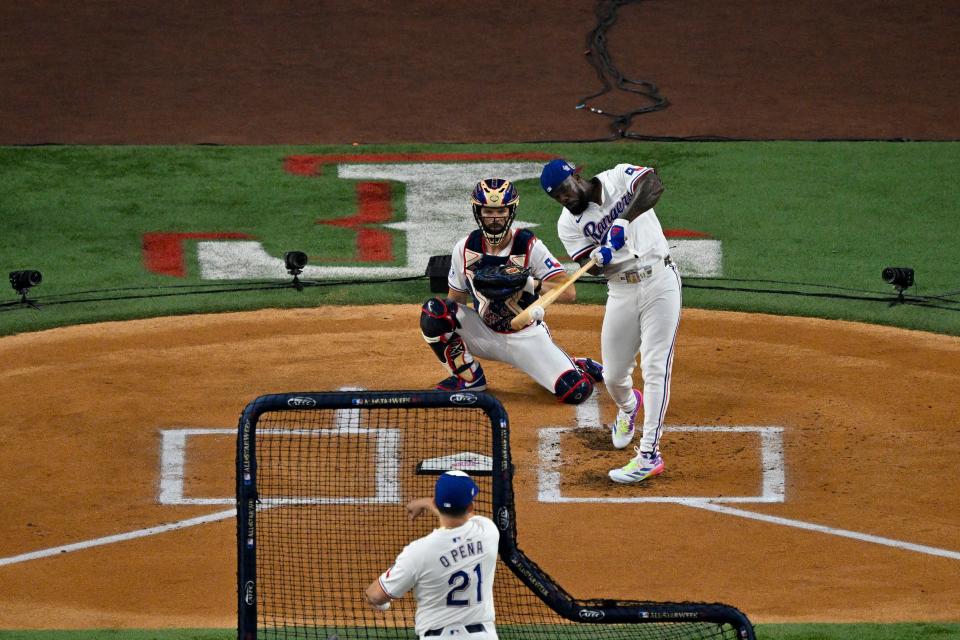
455	490
555	172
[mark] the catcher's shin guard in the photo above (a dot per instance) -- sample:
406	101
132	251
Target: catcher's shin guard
438	323
573	387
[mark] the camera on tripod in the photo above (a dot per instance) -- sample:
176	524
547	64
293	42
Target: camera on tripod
21	281
901	278
24	279
295	261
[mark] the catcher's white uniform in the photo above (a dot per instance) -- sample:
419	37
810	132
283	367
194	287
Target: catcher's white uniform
486	327
643	297
451	574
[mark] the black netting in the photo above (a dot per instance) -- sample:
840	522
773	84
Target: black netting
332	484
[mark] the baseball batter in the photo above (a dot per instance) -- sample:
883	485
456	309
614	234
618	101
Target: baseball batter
450	570
502	271
610	218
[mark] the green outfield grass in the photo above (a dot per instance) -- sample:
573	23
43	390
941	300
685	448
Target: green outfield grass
817	218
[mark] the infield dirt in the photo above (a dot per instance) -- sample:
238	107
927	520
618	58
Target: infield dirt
869	420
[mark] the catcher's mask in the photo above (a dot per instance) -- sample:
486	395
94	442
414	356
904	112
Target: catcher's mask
495	192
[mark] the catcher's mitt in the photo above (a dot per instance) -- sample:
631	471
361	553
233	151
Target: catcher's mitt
498	282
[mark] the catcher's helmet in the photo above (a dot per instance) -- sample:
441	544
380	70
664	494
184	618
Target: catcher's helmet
495	192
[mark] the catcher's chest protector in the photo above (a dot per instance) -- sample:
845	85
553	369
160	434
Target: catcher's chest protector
497	314
476	258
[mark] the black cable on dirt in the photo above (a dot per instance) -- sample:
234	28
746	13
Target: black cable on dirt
610	76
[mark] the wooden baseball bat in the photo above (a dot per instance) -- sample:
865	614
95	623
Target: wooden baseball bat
523	318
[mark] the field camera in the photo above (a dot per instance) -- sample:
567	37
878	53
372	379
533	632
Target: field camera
295	261
22	280
900	277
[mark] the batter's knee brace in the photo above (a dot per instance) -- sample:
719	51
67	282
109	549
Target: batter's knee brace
438	318
573	387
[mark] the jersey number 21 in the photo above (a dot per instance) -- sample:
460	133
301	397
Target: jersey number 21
460	581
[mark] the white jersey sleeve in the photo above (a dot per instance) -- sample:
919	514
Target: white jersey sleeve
645	238
626	177
455	278
402	576
543	265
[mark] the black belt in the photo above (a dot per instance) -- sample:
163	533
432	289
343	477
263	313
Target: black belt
471	628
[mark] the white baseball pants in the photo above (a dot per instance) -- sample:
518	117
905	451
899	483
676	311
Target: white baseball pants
642	318
531	349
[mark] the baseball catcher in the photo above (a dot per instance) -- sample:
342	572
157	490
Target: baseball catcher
501	271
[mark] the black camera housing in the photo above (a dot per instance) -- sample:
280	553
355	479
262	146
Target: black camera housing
295	261
899	277
23	279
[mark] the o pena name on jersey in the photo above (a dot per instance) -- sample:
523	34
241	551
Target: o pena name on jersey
466	550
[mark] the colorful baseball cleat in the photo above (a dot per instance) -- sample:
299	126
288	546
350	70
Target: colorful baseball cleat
622	430
592	368
455	383
644	465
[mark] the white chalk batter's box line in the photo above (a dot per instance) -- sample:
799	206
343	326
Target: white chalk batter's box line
173	462
772	475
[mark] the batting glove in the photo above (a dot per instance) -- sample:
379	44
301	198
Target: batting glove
618	234
602	254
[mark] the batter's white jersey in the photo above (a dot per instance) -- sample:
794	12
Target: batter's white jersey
646	243
451	574
643	296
